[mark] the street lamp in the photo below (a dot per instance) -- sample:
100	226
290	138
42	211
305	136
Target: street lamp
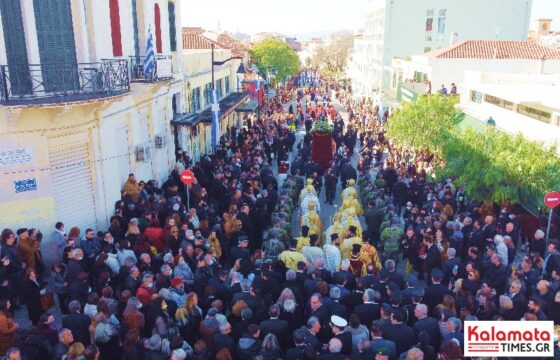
215	104
240	75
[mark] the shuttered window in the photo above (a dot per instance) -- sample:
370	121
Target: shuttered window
16	51
72	179
57	49
172	31
135	29
115	27
157	21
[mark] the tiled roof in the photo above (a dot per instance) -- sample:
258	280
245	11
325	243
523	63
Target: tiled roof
496	49
238	48
193	38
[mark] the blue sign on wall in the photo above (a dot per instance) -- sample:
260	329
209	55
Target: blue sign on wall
25	185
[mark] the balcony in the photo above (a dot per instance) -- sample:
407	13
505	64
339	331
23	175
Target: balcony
163	69
62	83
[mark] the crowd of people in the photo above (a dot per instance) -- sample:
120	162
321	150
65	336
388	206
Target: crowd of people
224	276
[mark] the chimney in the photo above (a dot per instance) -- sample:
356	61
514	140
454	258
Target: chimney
543	26
454	39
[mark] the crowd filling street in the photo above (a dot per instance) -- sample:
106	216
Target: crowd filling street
249	269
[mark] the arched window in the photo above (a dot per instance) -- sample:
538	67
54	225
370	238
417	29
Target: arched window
115	27
158	28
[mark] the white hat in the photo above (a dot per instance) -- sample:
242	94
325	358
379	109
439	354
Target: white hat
338	321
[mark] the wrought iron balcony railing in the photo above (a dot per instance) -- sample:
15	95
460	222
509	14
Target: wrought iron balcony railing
58	82
163	69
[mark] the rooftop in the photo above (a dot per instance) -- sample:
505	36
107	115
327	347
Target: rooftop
496	49
193	38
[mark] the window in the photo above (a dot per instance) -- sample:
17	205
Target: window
476	96
135	29
16	50
430	12
498	102
195	99
207	94
428	37
226	80
172	31
157	21
57	50
441	25
427	49
537	114
443	12
219	89
115	27
429	23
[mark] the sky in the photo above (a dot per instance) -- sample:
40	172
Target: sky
299	17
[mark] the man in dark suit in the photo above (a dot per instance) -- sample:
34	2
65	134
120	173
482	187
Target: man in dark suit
297	352
377	342
246	222
77	323
432	256
453	263
338	325
394	276
435	292
369	310
319	310
496	276
428	324
401	334
519	301
274	325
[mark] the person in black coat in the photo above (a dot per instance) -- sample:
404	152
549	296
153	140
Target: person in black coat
249	344
223	339
77	323
30	293
274	325
369	310
433	258
434	293
330	186
428	324
497	275
401	334
240	251
377	343
453	263
347	172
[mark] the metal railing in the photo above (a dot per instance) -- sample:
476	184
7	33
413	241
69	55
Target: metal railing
163	69
59	82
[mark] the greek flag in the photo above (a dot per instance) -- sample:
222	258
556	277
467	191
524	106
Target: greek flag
149	60
215	120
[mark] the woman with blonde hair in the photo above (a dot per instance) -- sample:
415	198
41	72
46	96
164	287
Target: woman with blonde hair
76	351
506	308
188	317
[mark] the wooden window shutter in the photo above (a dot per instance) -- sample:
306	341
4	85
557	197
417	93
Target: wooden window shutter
157	15
115	27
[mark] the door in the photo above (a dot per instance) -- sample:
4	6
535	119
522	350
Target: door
71	163
57	49
16	50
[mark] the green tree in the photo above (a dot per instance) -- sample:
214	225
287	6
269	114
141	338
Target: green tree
276	53
424	124
493	166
